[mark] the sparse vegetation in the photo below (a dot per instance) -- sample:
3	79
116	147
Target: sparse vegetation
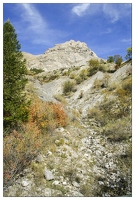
59	142
98	84
114	118
68	87
93	67
72	75
80	95
47	78
20	148
60	98
87	189
89	151
114	114
83	74
104	68
129	53
36	71
110	59
78	79
22	145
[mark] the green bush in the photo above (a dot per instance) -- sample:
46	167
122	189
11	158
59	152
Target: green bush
103	68
97	84
48	78
36	71
68	87
118	60
60	98
78	79
102	61
93	67
110	59
92	71
72	75
118	131
83	74
129	53
127	85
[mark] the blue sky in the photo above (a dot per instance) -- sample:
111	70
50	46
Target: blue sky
105	27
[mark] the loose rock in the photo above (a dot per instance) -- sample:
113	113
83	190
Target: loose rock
48	175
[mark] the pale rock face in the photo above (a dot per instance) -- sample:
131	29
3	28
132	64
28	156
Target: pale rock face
63	55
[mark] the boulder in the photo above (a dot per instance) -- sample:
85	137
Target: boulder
48	175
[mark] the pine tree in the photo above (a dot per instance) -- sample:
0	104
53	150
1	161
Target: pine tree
15	106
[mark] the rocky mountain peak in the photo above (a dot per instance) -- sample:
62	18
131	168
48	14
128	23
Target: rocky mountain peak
63	55
71	44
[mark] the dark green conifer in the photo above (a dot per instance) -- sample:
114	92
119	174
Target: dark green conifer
15	106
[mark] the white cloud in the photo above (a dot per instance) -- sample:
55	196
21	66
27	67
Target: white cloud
112	11
115	12
35	28
33	17
81	9
126	40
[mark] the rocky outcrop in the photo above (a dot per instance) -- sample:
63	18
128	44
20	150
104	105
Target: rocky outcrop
121	73
63	55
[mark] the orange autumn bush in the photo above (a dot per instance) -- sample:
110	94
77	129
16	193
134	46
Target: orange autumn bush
59	114
47	116
21	146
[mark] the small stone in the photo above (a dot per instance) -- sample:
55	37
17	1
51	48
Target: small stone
75	194
48	175
57	142
47	192
25	183
101	182
56	193
49	153
64	183
61	129
39	158
61	178
27	170
55	183
75	184
38	189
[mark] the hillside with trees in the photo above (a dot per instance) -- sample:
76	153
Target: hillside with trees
67	121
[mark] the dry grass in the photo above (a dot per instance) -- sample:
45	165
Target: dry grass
22	145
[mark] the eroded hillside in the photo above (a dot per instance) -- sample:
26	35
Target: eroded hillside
92	154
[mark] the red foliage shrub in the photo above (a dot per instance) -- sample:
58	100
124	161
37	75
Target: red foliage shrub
20	147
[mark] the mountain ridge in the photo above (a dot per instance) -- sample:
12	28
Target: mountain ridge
62	55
